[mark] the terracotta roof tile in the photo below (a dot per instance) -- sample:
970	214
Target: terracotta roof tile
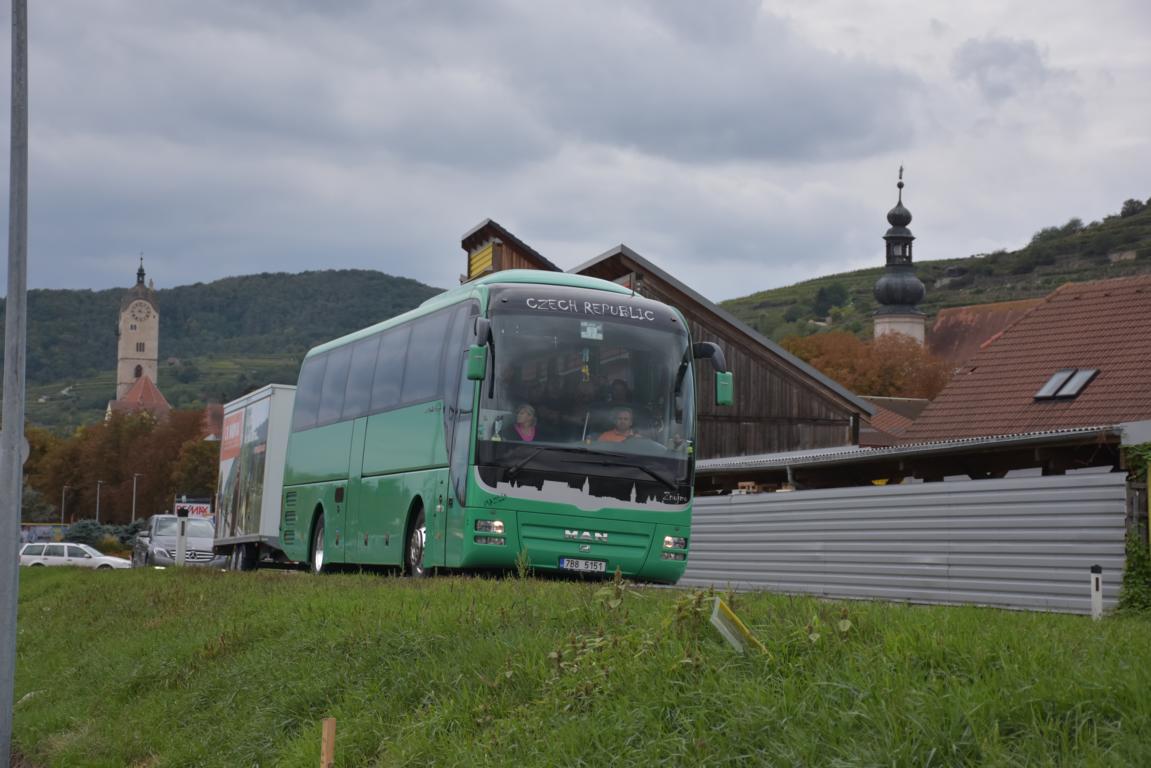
143	396
1104	325
959	332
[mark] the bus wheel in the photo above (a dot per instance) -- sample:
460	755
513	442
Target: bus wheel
414	560
317	560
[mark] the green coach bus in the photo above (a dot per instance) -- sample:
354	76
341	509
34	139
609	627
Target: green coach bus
527	416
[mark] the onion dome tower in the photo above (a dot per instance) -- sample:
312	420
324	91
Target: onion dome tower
899	290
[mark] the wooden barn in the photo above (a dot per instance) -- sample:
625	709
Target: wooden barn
781	402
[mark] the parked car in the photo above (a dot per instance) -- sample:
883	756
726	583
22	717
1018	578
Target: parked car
156	545
66	553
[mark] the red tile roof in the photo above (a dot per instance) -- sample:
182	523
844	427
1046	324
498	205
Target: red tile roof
1104	325
143	396
959	332
892	417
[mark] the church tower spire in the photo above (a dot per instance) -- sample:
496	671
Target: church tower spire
138	332
899	291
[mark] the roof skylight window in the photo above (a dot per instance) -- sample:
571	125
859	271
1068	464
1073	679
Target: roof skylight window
1066	384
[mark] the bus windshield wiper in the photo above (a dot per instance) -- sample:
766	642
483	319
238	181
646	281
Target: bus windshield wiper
646	470
514	469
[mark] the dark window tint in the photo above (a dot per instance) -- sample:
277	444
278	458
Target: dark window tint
390	369
54	550
358	397
335	383
424	360
77	553
308	393
34	549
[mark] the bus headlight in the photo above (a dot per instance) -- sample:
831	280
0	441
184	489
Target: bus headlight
674	542
490	526
673	556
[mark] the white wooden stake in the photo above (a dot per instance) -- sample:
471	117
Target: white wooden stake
1096	592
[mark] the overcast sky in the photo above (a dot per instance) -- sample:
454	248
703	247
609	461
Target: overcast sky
740	145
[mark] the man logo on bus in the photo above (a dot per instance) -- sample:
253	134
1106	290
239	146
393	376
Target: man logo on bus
585	535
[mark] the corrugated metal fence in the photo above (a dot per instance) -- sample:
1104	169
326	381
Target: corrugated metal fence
1018	543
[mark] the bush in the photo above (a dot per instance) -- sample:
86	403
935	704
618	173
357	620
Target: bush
1131	207
1135	594
85	532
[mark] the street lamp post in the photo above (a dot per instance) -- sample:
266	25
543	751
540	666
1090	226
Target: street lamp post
63	491
98	484
135	476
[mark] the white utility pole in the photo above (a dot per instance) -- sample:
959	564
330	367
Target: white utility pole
12	444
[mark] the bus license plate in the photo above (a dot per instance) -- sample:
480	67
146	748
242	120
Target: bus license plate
586	566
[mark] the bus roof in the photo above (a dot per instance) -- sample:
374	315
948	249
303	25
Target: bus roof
475	289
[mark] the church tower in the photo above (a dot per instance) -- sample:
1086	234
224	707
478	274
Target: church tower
899	290
139	336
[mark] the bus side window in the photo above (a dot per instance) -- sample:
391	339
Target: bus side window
335	382
358	396
308	393
390	369
424	364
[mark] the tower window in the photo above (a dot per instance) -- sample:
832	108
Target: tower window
139	371
139	346
132	327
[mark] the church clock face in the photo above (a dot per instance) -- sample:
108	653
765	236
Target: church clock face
140	310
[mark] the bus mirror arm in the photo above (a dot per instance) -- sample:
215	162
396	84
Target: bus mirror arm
710	350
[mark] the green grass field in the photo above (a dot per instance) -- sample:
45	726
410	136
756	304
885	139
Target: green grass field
193	668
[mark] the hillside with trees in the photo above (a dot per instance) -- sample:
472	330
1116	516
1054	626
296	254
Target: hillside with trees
1117	246
217	340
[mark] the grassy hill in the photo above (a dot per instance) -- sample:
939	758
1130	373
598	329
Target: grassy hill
149	668
1117	246
217	340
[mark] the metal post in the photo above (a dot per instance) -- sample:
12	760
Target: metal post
63	491
98	484
135	476
12	451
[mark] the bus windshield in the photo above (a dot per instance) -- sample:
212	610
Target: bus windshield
588	389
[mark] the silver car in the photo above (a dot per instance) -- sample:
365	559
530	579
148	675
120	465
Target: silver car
65	553
156	545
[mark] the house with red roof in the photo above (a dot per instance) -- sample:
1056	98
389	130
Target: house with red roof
1079	358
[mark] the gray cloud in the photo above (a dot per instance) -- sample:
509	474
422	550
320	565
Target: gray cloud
739	145
1001	67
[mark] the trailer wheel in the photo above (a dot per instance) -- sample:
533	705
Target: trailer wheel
240	558
317	560
414	553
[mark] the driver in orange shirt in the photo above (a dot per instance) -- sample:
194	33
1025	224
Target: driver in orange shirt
622	418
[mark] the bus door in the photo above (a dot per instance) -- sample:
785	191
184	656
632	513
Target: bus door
355	543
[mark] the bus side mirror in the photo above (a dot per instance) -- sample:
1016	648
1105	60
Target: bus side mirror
723	388
709	350
483	331
477	362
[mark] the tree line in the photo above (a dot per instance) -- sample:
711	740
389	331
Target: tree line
166	459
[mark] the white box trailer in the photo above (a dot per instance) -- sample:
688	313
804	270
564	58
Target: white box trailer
253	447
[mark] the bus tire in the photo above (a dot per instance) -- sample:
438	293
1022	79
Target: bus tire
316	559
414	547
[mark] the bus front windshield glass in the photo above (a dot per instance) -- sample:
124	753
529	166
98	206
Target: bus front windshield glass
579	397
